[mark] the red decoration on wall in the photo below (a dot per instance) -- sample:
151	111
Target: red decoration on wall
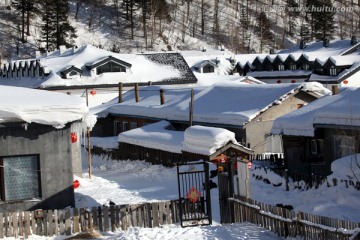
76	184
278	81
293	81
73	137
93	92
345	81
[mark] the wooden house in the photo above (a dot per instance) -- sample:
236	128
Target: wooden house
38	160
321	132
236	107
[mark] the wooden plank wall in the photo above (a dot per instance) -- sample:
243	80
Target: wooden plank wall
287	223
76	220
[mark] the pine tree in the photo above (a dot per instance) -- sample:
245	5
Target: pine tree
266	36
56	29
321	19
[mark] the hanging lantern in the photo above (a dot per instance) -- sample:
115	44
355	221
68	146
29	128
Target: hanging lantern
93	92
293	81
249	165
278	81
345	81
76	184
222	158
73	137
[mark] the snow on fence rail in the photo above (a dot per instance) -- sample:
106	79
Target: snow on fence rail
76	220
288	223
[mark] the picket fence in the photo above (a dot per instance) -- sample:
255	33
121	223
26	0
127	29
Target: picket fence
75	220
288	223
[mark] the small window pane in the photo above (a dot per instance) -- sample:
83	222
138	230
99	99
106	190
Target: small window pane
21	177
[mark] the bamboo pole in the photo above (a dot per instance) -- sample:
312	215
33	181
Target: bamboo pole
191	108
136	92
89	151
162	97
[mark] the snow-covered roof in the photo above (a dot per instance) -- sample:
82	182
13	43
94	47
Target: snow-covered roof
156	136
196	58
38	106
195	139
223	104
156	67
341	109
206	140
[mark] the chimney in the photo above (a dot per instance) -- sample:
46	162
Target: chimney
302	44
326	43
335	89
62	49
37	54
353	40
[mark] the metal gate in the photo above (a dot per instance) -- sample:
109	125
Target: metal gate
194	194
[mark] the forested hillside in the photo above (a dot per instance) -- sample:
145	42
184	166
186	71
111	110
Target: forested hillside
241	26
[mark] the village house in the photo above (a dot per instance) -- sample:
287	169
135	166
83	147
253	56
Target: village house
89	67
161	143
328	62
248	110
321	132
40	148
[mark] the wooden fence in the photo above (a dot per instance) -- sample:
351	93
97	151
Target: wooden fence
75	220
287	223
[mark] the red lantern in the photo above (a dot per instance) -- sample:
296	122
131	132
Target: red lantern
278	81
222	158
249	165
293	81
73	137
76	184
93	92
345	81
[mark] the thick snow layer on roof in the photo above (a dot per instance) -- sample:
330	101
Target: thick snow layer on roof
195	139
196	58
38	106
206	140
340	109
225	103
142	70
155	136
335	47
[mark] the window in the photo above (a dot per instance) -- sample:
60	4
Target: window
125	126
208	69
306	66
343	146
133	125
110	67
20	177
281	67
293	67
333	71
73	73
117	127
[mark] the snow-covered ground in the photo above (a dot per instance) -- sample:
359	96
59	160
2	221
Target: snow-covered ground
136	181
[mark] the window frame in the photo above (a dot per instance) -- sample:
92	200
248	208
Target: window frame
2	178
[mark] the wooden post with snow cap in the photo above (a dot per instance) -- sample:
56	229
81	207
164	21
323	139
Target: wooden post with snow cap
136	92
335	89
191	108
89	151
162	97
120	92
87	97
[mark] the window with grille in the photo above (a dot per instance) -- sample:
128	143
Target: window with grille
20	177
110	67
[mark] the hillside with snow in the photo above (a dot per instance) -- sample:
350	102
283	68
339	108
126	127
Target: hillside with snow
172	25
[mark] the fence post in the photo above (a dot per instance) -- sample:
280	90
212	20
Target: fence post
286	180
